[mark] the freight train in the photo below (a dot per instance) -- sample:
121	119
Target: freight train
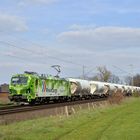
32	88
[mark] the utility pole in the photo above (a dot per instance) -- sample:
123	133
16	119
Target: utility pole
83	72
132	78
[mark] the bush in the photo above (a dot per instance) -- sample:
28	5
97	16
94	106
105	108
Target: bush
116	98
136	94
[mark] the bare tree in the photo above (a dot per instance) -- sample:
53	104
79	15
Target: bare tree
136	80
104	74
114	79
128	80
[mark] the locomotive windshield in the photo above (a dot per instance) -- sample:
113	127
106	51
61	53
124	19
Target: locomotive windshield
19	80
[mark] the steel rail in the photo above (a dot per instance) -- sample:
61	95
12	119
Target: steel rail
19	109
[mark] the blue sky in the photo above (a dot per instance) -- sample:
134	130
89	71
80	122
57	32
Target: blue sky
35	34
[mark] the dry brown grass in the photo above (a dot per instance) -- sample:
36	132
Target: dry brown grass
4	98
2	94
116	98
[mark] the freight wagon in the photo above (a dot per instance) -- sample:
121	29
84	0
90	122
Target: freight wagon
33	88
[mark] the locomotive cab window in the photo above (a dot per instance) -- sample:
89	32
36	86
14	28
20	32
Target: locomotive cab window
19	80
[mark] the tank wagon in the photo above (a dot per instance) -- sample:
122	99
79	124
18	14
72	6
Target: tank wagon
32	88
79	87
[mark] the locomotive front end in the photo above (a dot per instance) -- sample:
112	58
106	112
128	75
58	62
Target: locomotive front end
20	88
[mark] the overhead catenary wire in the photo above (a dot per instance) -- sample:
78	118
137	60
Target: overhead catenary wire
39	53
120	69
40	62
37	44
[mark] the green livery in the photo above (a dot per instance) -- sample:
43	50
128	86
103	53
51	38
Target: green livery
30	87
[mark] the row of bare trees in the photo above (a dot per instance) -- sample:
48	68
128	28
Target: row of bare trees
106	75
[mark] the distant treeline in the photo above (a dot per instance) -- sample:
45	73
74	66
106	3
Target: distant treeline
4	88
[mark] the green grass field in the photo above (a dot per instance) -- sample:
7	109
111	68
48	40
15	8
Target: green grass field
117	122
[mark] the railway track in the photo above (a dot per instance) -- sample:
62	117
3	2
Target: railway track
6	107
19	109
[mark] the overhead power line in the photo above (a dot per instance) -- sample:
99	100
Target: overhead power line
40	53
40	62
38	45
121	69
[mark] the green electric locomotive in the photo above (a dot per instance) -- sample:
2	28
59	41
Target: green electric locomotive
32	88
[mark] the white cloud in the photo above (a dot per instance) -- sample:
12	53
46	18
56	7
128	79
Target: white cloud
90	46
10	23
101	37
111	45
